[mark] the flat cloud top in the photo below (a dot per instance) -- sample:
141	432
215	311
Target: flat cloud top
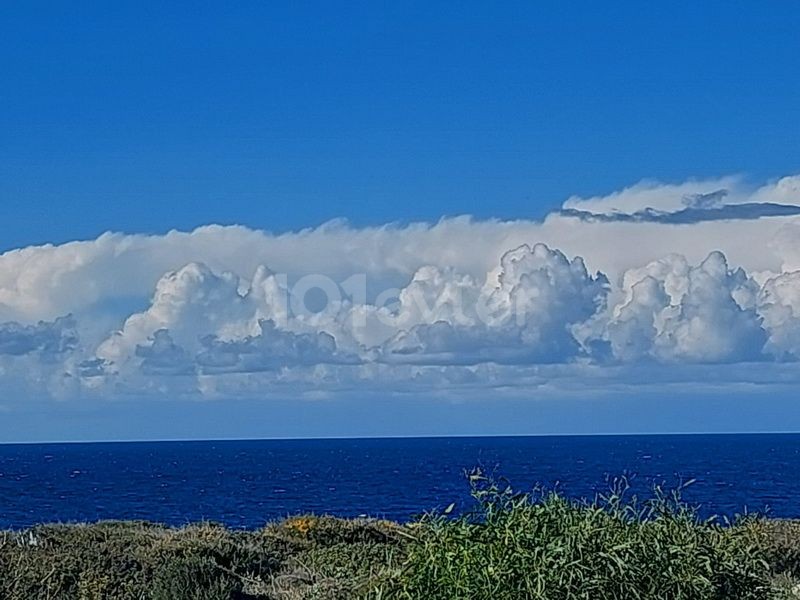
684	280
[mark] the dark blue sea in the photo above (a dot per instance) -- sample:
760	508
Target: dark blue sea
246	483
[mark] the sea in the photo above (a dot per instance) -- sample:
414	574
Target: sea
244	484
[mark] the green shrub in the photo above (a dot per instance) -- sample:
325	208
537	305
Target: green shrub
310	557
194	578
552	548
127	561
780	541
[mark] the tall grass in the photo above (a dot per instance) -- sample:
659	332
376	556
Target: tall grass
547	547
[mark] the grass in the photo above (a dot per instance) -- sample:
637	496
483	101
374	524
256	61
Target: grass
541	546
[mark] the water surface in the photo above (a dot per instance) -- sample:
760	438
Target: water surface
245	483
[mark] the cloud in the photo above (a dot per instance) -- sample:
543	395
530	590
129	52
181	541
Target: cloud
162	356
271	349
193	302
200	321
675	312
692	275
693	194
36	359
523	313
779	305
45	339
691	214
85	277
688	203
706	200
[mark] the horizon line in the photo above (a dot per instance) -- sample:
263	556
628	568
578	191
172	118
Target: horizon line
391	437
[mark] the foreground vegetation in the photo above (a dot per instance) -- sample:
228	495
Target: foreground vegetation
541	546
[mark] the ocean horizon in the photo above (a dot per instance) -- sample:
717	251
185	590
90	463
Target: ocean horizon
247	483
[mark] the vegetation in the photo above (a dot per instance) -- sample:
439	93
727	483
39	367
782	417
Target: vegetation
541	546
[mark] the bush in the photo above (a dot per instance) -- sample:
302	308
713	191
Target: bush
552	548
132	561
307	557
194	578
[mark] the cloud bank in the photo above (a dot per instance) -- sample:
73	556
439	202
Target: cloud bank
698	281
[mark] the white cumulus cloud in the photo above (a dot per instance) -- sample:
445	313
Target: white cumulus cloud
697	274
675	312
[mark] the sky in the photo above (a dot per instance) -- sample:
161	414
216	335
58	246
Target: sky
276	220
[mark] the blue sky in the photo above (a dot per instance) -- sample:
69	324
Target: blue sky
642	277
139	118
